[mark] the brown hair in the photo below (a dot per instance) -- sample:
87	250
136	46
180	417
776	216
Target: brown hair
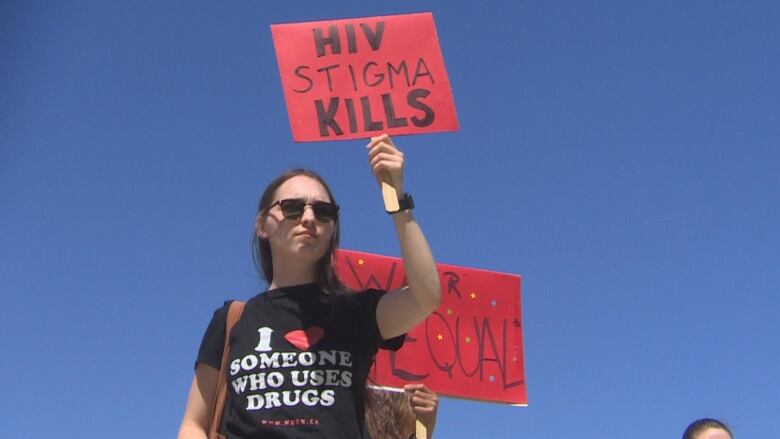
389	414
262	250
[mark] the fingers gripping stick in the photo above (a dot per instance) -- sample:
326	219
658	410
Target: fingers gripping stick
387	165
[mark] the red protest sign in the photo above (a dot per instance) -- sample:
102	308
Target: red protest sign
354	78
470	347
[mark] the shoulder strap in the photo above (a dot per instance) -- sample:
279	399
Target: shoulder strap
234	313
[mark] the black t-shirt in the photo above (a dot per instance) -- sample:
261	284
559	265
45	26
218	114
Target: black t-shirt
298	363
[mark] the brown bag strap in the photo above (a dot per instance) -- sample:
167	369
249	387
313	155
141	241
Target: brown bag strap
234	313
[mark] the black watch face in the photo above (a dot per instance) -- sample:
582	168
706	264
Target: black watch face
406	202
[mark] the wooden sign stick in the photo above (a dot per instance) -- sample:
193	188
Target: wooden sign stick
389	195
420	430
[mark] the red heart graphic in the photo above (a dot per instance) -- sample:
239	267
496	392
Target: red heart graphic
303	340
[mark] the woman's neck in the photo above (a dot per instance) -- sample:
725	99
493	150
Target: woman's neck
290	272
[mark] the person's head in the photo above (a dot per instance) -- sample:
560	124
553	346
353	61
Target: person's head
296	221
389	415
707	428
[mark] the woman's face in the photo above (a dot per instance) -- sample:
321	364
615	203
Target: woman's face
303	239
714	433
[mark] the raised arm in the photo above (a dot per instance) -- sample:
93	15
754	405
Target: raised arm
195	423
399	312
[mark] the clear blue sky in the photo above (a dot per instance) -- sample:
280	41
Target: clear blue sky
621	155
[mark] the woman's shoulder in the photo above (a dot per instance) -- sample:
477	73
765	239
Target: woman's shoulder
220	313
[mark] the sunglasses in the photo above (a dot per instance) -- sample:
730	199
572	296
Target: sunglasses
292	208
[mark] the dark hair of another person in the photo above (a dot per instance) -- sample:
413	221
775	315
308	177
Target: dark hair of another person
700	425
262	249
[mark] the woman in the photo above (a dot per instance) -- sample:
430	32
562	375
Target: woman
301	352
707	429
393	415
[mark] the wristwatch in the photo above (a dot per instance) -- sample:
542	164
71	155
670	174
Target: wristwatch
405	202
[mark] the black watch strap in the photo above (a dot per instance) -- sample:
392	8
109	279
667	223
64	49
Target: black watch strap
405	202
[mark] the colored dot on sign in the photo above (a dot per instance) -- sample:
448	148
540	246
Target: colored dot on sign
493	302
449	311
440	337
468	339
361	262
473	295
492	378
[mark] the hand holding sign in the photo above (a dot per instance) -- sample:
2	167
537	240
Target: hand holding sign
425	403
387	165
